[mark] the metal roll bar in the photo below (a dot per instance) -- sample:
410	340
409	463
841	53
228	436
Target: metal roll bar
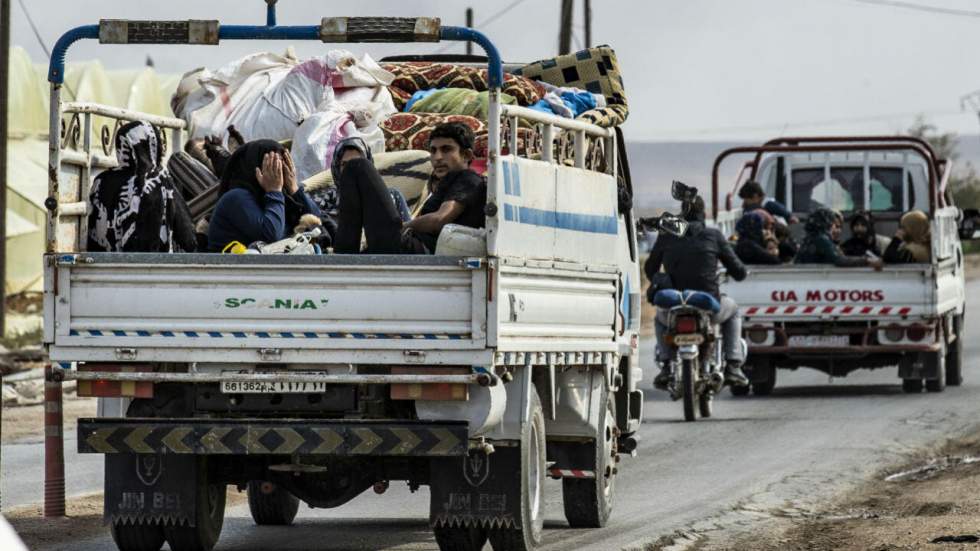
825	148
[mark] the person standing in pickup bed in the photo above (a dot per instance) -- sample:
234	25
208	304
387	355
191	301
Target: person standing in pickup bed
818	246
457	195
691	262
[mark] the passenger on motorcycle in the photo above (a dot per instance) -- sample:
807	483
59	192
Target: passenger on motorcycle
691	262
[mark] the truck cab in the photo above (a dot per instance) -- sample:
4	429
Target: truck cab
839	319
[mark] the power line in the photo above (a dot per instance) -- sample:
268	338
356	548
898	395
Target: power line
920	7
37	34
483	23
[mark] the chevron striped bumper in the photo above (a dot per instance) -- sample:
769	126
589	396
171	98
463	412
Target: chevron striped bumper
272	437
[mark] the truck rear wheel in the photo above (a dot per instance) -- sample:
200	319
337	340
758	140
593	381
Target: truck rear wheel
939	383
588	502
912	386
689	374
460	538
954	355
527	536
763	378
271	504
137	537
210	517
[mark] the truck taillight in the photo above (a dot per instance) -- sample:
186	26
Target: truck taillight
115	389
429	391
758	335
686	324
916	333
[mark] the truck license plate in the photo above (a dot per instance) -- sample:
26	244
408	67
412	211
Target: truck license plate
806	341
263	387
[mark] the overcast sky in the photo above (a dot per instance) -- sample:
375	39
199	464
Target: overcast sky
694	69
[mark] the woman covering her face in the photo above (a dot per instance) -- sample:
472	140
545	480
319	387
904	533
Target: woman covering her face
260	199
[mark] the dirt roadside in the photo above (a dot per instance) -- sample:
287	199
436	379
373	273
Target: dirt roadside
932	501
83	521
24	421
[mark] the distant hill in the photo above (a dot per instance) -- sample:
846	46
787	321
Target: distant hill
654	165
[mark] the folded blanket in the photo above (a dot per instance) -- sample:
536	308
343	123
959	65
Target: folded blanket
594	70
410	77
455	101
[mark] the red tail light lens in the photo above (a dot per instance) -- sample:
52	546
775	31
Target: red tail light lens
916	333
686	324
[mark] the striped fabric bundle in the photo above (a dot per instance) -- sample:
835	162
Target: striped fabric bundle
196	183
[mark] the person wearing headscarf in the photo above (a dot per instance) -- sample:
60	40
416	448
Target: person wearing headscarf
259	197
354	148
135	206
818	247
787	245
912	240
753	229
863	239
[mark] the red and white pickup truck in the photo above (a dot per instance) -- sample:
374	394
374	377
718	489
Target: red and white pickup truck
838	319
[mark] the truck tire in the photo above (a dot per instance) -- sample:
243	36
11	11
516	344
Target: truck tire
912	386
765	381
689	374
704	405
939	383
137	537
954	355
271	504
210	506
588	501
460	538
531	520
739	390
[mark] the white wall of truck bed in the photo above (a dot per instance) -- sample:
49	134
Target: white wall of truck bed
554	212
552	309
821	292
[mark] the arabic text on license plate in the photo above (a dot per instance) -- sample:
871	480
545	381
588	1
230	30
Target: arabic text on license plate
819	340
264	387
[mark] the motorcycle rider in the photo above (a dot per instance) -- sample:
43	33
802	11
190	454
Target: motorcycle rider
691	262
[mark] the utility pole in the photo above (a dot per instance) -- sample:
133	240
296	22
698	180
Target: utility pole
469	25
565	32
4	131
588	23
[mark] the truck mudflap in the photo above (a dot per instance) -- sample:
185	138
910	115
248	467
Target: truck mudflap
477	490
151	489
272	437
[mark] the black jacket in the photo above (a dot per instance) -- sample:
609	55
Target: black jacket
692	260
751	252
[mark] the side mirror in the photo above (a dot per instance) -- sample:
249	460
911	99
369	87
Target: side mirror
666	223
683	192
970	224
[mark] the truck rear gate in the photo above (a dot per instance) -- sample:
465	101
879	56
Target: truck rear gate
266	308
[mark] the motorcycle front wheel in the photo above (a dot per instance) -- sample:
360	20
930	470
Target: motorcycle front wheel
689	382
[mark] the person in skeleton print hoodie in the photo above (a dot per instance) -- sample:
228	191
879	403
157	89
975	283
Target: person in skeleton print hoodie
135	207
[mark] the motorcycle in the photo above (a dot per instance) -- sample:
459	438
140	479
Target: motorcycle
698	354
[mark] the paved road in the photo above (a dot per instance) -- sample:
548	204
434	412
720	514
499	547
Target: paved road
23	471
758	456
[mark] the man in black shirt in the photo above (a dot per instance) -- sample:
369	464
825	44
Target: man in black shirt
457	195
